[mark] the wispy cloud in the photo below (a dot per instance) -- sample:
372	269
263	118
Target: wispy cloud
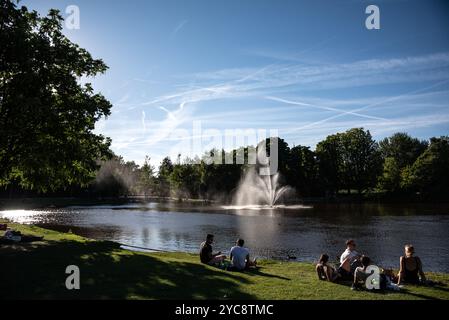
274	78
122	100
288	99
393	98
165	128
314	134
143	122
303	55
342	112
310	136
179	26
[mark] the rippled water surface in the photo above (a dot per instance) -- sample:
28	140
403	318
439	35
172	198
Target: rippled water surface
300	231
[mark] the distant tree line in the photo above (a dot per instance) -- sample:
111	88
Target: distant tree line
345	163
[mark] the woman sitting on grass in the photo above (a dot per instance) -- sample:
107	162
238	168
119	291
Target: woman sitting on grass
325	271
410	269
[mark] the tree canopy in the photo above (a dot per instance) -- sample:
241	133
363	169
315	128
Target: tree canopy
429	174
47	116
349	160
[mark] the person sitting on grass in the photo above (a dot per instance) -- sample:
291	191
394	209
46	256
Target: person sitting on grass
240	257
13	236
410	267
206	255
360	273
326	271
348	260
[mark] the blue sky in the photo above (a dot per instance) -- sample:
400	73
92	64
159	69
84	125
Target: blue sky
304	68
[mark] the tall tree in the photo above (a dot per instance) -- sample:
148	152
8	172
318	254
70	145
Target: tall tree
403	148
349	160
429	174
163	177
329	154
362	162
185	179
146	178
391	177
399	151
303	170
47	116
283	153
117	177
218	178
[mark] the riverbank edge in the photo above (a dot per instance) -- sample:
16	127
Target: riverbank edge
278	280
30	203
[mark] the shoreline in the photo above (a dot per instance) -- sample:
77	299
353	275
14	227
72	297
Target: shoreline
36	271
28	203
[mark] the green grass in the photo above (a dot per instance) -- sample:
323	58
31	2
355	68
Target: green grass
37	271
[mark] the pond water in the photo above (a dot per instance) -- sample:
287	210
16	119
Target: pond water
304	232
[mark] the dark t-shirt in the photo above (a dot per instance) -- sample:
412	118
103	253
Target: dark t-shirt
205	252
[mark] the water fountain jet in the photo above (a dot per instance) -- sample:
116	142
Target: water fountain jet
260	188
259	191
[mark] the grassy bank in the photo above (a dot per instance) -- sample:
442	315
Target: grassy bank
37	271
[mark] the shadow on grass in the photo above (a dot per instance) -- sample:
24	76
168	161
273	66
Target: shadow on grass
109	273
418	295
440	288
348	283
257	272
437	287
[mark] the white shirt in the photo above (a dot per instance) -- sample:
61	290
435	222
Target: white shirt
239	255
348	253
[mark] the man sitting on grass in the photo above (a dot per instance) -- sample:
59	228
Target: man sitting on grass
240	257
348	260
206	255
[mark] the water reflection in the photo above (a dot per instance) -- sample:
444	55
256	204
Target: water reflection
380	230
